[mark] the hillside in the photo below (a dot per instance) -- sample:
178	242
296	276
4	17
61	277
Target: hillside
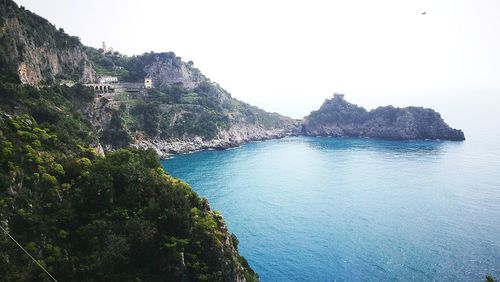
87	217
339	118
184	111
83	215
81	187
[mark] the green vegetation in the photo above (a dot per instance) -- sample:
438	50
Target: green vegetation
109	63
87	217
170	112
52	108
116	133
175	113
90	218
338	110
489	278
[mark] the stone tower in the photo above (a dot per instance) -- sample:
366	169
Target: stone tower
338	96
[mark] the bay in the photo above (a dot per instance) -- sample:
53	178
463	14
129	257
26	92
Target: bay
340	209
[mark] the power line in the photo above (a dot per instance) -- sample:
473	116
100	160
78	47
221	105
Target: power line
28	254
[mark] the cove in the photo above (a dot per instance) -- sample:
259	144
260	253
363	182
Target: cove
339	209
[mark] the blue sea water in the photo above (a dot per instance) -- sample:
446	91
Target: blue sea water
335	209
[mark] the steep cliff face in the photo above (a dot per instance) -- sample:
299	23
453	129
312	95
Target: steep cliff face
34	52
167	71
338	118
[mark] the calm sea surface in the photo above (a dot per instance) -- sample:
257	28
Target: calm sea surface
334	209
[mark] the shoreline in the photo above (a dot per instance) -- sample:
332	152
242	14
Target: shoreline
225	140
230	146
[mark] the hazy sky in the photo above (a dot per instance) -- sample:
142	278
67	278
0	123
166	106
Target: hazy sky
288	56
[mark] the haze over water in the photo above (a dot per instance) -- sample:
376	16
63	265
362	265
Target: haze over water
334	209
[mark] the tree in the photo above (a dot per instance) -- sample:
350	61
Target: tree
490	279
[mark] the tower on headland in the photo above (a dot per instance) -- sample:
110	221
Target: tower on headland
104	49
338	96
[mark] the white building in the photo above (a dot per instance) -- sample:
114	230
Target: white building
107	79
148	83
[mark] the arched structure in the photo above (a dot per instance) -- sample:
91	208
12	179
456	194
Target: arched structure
101	87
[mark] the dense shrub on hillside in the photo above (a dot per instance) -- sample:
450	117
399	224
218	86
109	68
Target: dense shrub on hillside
116	133
173	113
91	218
109	63
52	107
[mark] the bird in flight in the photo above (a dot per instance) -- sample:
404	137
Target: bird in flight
424	13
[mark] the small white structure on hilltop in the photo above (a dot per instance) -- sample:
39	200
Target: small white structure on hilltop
107	79
148	83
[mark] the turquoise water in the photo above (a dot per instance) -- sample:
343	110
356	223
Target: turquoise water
328	209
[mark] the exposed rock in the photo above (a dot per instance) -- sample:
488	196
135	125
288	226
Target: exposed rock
167	70
338	118
100	150
34	51
234	136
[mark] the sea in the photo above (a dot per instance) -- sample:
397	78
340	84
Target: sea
344	209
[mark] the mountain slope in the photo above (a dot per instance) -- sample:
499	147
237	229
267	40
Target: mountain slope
338	118
185	111
85	216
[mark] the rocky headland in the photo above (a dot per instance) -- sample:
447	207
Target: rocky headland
339	118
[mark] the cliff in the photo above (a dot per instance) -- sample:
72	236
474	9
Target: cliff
34	52
338	118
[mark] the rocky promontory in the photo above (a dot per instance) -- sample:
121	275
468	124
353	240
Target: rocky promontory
339	118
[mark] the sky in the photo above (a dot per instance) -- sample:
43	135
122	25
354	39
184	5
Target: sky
288	56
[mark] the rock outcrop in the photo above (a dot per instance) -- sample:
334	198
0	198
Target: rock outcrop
228	138
338	118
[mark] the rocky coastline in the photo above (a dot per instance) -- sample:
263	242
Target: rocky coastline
433	129
225	139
